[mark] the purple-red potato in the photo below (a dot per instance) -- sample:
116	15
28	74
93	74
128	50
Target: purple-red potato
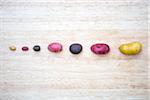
100	48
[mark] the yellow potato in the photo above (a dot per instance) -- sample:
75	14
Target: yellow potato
12	48
131	48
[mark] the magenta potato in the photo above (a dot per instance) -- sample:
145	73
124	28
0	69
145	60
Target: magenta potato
55	47
100	48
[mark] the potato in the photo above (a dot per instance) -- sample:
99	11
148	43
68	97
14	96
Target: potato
131	48
12	48
100	48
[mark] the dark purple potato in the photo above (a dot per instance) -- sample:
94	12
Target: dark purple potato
25	48
36	48
75	48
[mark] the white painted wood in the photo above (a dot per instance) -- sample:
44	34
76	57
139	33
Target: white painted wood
63	76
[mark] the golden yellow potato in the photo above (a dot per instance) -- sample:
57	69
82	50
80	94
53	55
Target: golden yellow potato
12	48
131	48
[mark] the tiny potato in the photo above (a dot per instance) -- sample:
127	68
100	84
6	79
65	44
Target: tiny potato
131	48
12	48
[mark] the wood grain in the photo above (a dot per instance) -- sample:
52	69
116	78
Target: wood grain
63	76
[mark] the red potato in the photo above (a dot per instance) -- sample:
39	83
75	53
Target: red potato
100	48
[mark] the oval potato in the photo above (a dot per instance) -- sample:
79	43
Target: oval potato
131	48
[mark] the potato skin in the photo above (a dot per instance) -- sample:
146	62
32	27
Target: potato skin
131	48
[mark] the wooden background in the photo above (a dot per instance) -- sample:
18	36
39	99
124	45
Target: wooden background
63	76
